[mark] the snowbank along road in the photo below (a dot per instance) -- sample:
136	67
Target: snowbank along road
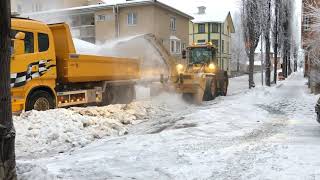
265	133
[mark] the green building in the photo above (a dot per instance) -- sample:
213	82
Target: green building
215	27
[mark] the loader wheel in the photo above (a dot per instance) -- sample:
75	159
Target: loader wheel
211	90
40	101
225	88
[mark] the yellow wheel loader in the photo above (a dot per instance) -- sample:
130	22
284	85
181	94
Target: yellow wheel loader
199	79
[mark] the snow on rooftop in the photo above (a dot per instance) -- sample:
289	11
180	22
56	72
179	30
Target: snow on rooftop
216	11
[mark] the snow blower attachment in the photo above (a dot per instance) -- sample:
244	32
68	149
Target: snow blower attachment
200	79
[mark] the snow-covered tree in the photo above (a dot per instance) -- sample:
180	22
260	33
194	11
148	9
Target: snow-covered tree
266	29
251	21
239	56
313	42
277	34
287	36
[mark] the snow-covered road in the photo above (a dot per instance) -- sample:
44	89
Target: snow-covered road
265	133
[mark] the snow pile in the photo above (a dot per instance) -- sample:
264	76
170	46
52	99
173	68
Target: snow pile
59	130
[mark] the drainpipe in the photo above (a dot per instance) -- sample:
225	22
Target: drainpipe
117	23
209	32
220	46
193	32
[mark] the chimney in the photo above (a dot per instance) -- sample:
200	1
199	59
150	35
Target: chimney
202	10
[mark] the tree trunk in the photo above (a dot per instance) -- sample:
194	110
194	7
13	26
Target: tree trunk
267	41
276	37
275	70
251	68
7	132
268	62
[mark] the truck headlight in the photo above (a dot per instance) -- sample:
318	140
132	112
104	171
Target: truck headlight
179	68
212	66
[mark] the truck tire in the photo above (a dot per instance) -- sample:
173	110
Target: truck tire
224	90
211	89
40	101
126	94
207	92
110	96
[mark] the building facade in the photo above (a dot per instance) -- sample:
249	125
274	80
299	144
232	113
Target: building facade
216	29
102	22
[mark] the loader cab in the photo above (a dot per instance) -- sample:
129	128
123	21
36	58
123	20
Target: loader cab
201	56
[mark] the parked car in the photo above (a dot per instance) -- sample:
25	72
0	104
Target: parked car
318	110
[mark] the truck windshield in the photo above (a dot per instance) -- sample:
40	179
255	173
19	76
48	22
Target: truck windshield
200	55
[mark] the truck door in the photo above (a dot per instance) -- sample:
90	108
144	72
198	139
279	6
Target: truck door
20	64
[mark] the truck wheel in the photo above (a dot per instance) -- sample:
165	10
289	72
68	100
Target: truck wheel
213	89
208	92
127	94
224	91
40	101
110	96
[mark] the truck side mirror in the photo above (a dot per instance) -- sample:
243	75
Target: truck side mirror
18	43
184	54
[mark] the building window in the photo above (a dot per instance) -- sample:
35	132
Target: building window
201	41
228	47
183	45
215	42
175	46
132	19
222	46
215	28
173	26
101	18
43	42
178	47
19	8
36	7
306	23
201	28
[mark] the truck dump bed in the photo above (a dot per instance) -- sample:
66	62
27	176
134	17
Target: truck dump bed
76	68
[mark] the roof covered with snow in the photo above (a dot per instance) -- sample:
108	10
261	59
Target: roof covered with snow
111	3
216	11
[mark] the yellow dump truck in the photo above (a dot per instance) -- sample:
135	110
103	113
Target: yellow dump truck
47	72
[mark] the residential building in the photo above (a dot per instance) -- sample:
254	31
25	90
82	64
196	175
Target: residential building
213	26
307	35
121	18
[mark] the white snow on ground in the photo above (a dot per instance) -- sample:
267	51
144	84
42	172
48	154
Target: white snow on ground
265	133
60	130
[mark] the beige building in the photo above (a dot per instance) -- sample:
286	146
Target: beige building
216	27
107	21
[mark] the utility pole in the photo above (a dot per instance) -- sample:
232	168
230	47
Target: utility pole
7	132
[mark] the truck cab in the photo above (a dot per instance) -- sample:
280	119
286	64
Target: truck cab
33	65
